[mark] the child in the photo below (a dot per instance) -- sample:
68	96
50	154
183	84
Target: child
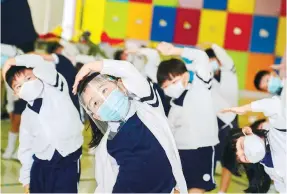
268	81
136	151
50	134
192	115
225	94
259	181
15	106
274	163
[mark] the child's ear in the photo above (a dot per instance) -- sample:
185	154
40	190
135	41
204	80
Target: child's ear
121	86
185	78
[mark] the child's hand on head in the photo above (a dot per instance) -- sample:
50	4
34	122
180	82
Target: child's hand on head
96	66
131	51
8	64
165	48
247	130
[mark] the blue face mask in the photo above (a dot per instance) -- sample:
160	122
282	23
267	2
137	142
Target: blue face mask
274	84
3	60
115	108
215	65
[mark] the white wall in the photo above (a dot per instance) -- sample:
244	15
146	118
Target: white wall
46	14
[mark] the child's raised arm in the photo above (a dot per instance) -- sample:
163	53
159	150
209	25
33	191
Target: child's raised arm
130	76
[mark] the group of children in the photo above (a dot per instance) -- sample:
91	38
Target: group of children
157	126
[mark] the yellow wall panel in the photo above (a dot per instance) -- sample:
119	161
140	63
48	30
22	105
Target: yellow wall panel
139	21
93	18
241	6
281	37
212	26
77	27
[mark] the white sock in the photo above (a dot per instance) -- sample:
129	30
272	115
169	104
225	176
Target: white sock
12	138
220	192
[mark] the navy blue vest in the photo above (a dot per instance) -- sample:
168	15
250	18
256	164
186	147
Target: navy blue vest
144	166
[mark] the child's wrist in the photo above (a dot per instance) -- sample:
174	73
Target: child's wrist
177	51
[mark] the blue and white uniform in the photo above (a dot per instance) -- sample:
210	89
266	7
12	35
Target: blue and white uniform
50	133
225	95
142	157
274	164
193	121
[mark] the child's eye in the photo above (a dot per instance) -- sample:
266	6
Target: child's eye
28	78
105	90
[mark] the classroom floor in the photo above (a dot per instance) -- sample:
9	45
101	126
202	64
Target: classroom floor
10	168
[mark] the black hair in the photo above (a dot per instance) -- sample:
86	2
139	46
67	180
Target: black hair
79	65
168	68
256	124
118	54
52	47
210	53
258	77
12	72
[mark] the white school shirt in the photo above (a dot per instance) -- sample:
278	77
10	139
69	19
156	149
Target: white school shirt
225	92
194	124
50	124
152	62
150	112
272	108
228	86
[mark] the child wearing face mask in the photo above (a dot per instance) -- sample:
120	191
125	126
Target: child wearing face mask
195	137
50	130
274	163
225	94
268	81
135	149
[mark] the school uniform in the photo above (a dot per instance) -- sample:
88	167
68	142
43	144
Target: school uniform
193	121
142	157
272	108
50	133
225	94
150	70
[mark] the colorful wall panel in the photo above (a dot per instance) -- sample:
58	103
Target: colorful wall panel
163	23
241	6
238	31
264	34
211	31
172	3
241	63
253	31
116	18
267	7
212	4
139	21
196	4
187	26
281	37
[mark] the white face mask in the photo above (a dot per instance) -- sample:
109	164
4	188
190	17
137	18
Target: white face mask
30	90
254	148
174	90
